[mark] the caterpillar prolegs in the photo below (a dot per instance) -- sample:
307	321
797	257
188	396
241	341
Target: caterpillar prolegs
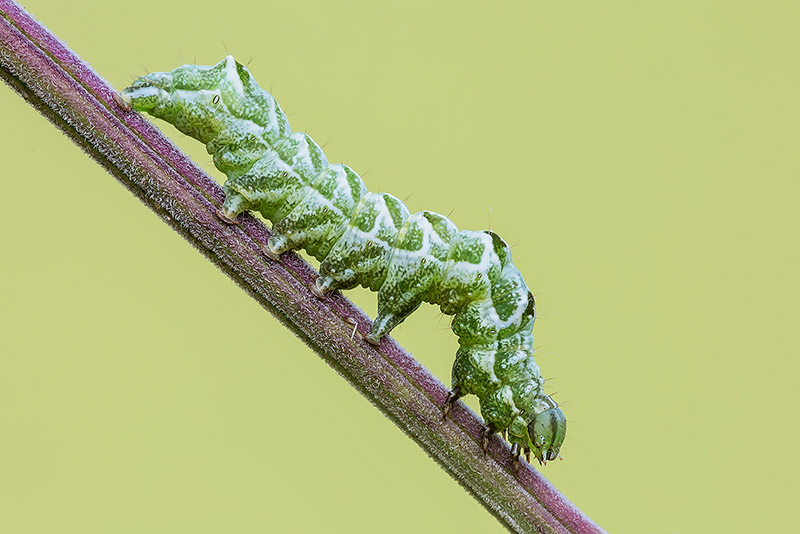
368	239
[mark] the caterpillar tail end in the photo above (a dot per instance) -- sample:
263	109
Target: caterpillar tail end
123	101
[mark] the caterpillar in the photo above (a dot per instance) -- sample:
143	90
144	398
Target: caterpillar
368	239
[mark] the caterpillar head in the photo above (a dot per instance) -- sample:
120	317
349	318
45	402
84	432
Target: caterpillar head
547	431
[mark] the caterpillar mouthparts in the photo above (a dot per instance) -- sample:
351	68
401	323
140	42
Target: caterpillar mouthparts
368	239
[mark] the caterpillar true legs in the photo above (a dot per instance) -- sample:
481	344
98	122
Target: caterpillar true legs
369	239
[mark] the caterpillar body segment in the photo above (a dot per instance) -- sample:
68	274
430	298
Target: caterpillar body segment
368	239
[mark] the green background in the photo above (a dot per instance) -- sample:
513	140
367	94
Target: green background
643	159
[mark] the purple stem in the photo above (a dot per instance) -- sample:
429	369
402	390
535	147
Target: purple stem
81	103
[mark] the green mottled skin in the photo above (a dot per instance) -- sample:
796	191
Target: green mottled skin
368	239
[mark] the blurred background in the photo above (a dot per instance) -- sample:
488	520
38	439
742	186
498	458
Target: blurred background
641	157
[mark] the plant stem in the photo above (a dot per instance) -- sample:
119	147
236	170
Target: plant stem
79	102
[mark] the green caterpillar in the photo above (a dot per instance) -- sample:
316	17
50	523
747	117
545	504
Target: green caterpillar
368	239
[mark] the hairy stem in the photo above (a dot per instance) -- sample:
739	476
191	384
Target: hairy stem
79	102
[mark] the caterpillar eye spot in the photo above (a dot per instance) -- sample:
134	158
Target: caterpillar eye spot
367	239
